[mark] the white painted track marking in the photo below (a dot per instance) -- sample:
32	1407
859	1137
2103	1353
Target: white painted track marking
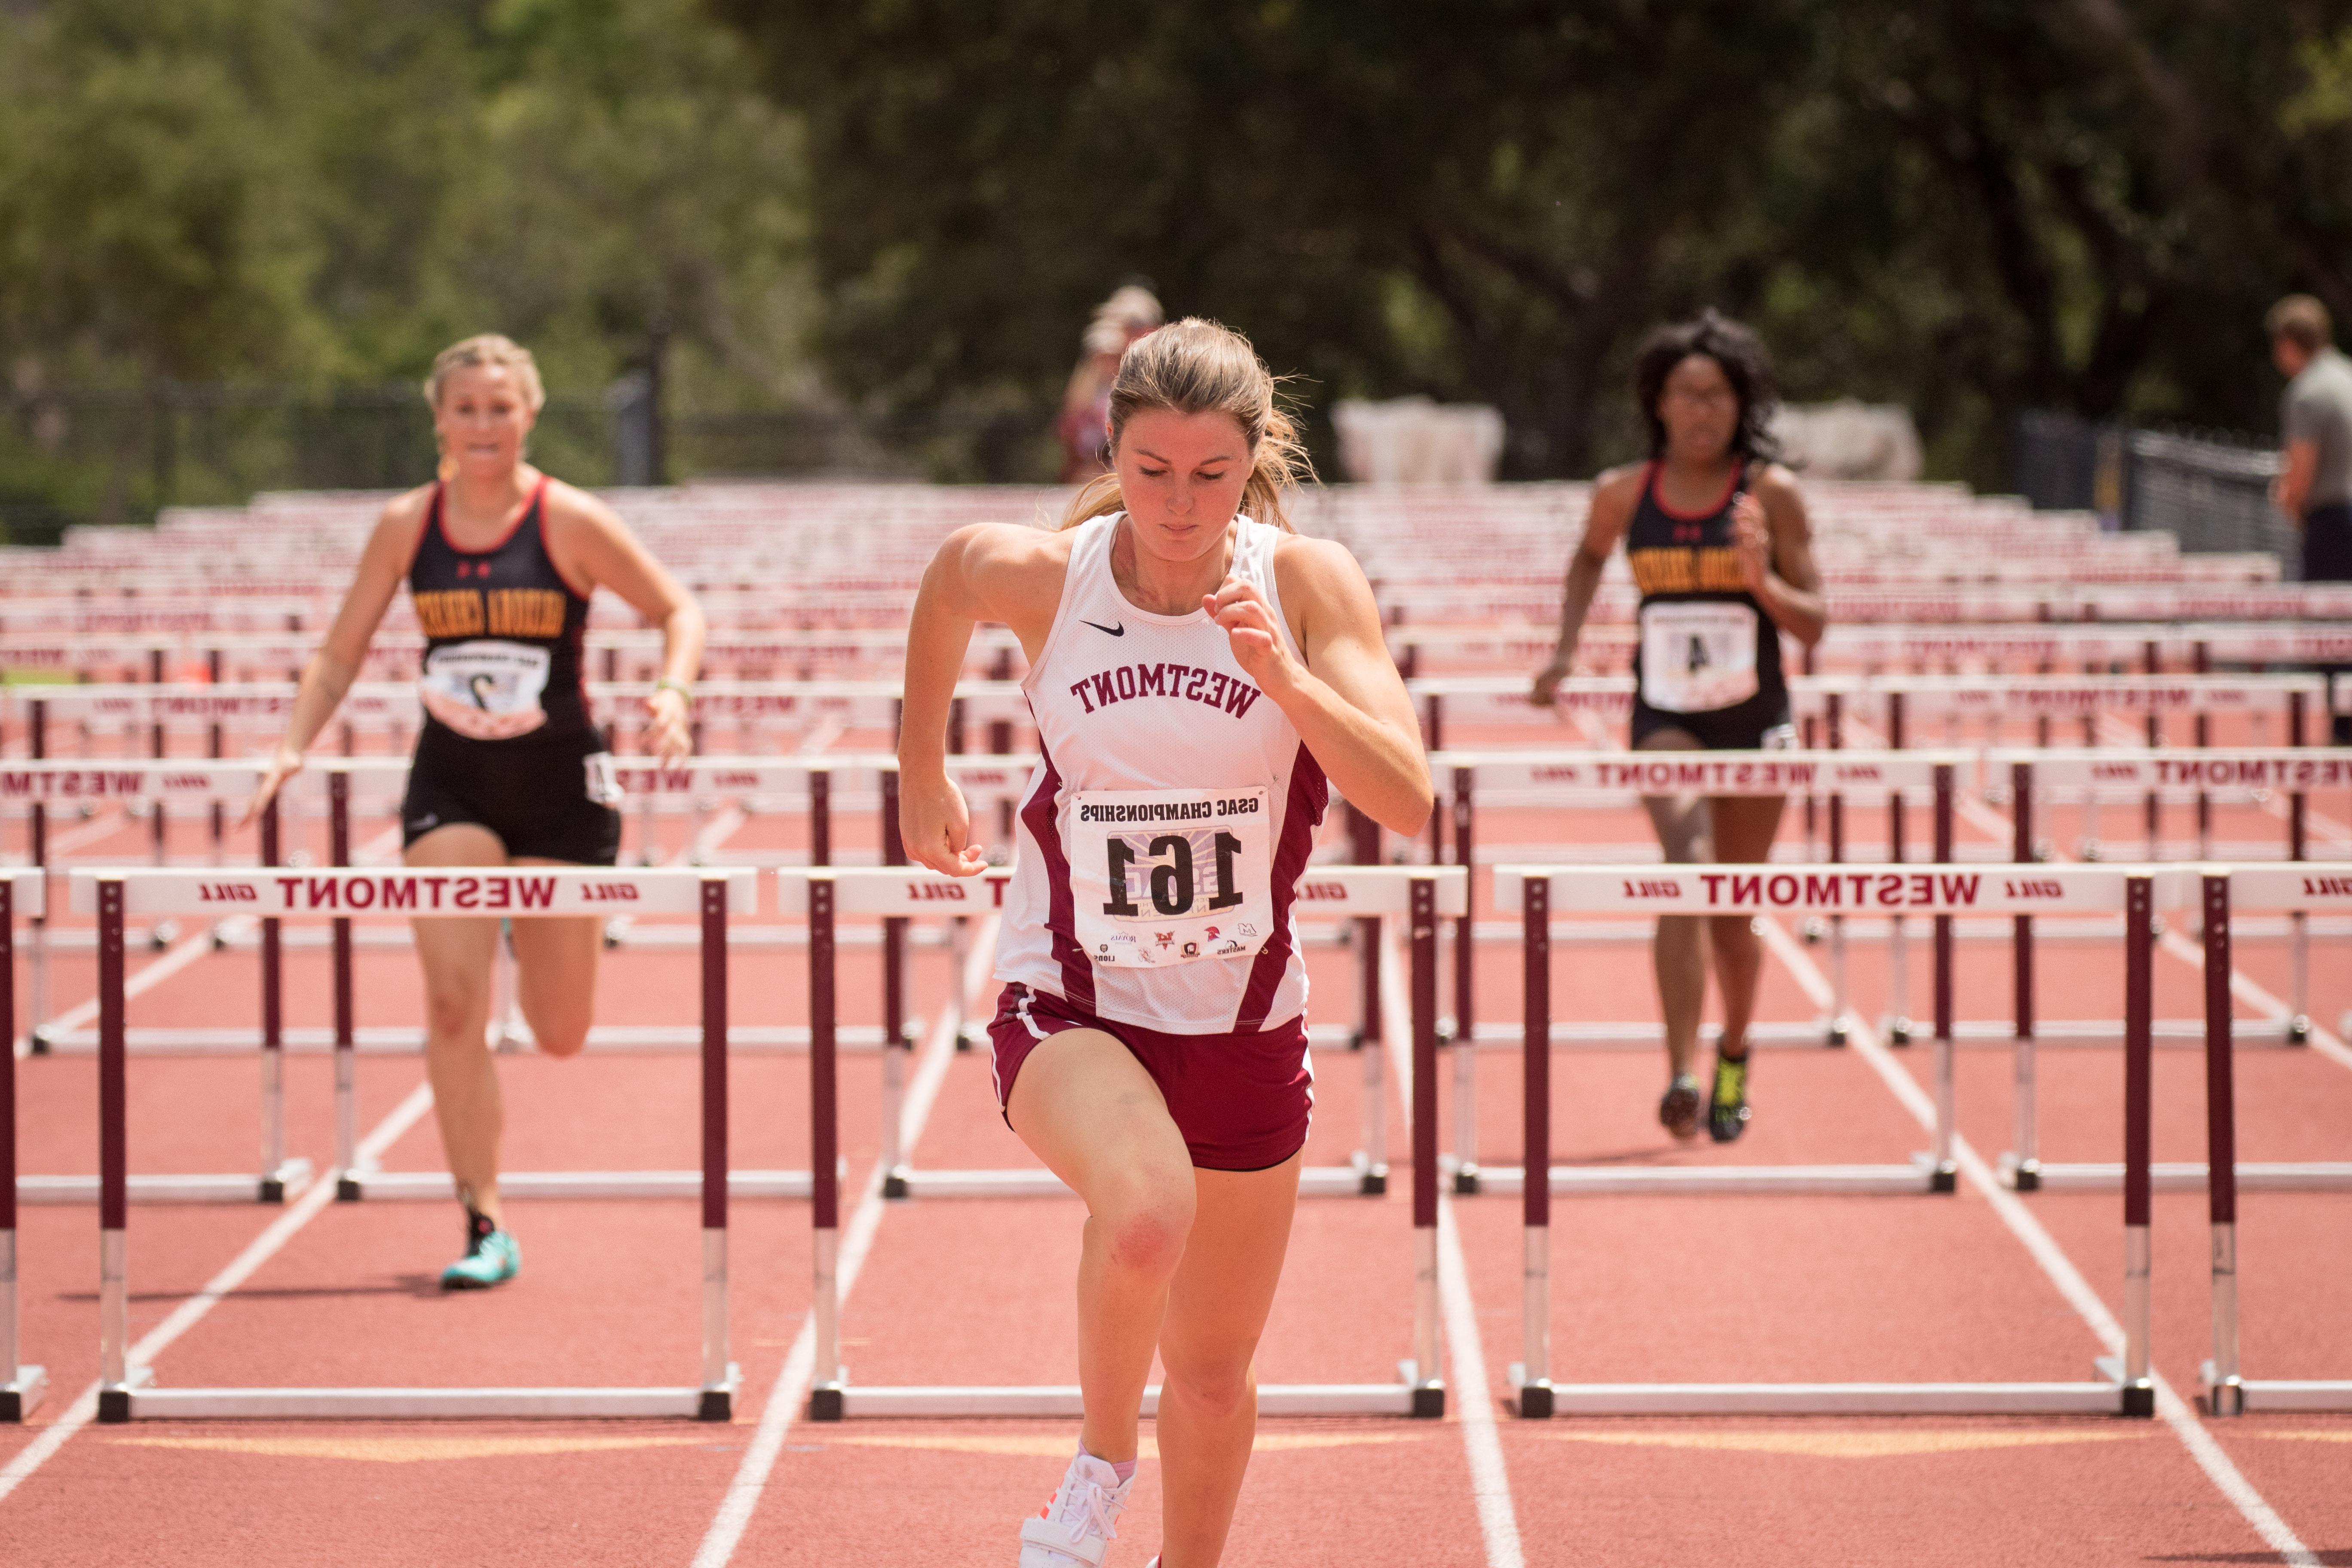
190	1313
2045	1250
1474	1400
776	1418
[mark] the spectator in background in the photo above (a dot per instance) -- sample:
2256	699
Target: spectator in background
2315	485
1132	312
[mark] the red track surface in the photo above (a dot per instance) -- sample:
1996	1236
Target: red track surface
1645	1289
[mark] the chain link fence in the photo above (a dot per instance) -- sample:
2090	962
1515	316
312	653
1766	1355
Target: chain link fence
2211	492
82	455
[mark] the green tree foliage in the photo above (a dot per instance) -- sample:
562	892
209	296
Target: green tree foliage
310	191
1965	206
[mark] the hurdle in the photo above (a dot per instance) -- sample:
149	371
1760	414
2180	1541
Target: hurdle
1422	894
1586	779
2126	1387
900	895
2223	888
2296	771
24	1386
280	1176
128	1393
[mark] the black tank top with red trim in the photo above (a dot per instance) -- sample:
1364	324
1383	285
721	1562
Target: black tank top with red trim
1705	644
503	632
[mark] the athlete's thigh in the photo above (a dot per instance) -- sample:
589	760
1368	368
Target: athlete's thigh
1680	821
556	957
1087	1107
1745	826
1222	1290
455	951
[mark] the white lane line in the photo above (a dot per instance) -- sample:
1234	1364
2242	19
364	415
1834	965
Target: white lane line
791	1385
1490	1481
2060	1270
191	1312
1490	1478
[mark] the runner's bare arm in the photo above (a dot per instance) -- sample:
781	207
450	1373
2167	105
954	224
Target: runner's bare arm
331	671
989	571
593	543
1348	702
1775	538
1605	521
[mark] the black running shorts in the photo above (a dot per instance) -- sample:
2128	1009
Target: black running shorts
532	793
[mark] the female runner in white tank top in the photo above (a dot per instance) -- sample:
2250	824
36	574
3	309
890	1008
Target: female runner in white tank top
1201	678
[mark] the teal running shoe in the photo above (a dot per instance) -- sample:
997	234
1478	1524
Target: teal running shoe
492	1258
1727	1109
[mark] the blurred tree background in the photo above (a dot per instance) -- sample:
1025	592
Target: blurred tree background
231	229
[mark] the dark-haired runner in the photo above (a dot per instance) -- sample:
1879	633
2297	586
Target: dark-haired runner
1721	549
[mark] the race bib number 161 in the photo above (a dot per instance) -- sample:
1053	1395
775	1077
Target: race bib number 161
1168	877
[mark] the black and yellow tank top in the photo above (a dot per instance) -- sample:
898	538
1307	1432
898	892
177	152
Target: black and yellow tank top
503	632
1705	646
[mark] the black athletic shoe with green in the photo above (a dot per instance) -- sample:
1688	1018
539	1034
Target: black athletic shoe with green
1726	1109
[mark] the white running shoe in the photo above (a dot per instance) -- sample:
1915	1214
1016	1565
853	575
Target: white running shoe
1078	1523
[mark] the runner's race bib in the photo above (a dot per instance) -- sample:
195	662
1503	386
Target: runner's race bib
486	690
1697	656
604	779
1167	877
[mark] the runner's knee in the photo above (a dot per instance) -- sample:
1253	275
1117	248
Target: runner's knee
1217	1385
1145	1228
455	1010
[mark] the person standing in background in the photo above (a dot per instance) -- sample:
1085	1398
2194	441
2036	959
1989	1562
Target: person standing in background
2315	483
1132	312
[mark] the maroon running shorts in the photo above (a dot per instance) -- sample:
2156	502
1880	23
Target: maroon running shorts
1241	1099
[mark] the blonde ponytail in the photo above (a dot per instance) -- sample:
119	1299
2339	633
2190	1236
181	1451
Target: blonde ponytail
1196	366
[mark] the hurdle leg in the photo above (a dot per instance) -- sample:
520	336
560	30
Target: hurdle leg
825	1390
2025	1146
21	1387
1531	1378
115	1375
2139	1390
347	1096
719	1377
1898	981
1465	1043
2224	1394
1426	1374
1372	1161
959	953
2298	1029
898	1042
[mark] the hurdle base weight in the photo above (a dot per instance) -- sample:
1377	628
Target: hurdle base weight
114	1399
2223	1395
2138	1399
2021	1176
22	1393
1532	1401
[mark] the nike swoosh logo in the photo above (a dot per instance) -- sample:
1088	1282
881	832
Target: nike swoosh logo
1117	631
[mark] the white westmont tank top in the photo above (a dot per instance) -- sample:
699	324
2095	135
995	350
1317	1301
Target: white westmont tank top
1161	840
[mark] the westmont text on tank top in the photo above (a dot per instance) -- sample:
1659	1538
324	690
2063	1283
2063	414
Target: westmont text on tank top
1161	839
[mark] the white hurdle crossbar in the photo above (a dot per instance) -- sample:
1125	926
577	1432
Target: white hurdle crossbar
22	889
2299	887
1938	891
1421	894
126	1393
